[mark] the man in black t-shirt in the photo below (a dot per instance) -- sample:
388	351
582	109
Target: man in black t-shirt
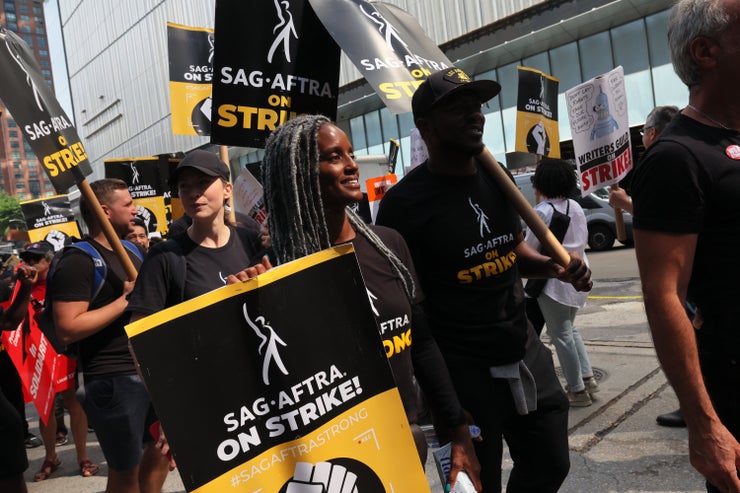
687	240
467	245
114	398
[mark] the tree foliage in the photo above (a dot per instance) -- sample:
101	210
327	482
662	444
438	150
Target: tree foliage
10	213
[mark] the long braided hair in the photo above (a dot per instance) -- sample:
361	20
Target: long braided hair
290	175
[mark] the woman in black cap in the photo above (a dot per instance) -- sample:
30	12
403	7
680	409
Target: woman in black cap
199	259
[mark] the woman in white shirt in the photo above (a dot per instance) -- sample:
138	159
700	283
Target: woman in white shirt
559	302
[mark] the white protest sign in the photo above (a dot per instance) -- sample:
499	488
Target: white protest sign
597	110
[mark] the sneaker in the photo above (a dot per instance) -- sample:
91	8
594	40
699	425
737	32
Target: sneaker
592	386
61	438
32	441
579	399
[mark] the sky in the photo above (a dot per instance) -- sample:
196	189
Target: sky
56	53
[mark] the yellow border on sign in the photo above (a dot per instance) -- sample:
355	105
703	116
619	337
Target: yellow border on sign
530	69
190	28
130	159
272	275
45	198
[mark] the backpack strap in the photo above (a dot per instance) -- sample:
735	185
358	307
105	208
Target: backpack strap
559	222
133	249
101	269
567	207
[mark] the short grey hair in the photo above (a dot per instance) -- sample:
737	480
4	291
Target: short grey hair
691	19
660	116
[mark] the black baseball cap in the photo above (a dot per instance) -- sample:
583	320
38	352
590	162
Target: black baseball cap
205	162
445	83
37	249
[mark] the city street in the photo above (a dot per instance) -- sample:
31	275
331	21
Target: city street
615	444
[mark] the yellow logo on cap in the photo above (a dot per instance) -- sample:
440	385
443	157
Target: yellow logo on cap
457	76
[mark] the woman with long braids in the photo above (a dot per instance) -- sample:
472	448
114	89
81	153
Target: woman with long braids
310	178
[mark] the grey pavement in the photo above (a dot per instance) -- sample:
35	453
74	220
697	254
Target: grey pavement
615	444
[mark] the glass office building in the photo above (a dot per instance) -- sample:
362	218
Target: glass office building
124	65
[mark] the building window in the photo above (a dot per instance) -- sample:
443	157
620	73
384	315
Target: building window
357	128
18	176
10	6
23	9
13	134
40	30
26	29
24	18
35	188
44	53
45	63
10	16
13	26
15	144
15	155
37	11
41	42
20	186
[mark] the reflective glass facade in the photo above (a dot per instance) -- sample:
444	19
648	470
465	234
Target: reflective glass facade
638	46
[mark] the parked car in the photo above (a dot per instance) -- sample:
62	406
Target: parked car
602	227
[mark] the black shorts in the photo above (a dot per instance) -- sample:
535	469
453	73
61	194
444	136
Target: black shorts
120	411
13	460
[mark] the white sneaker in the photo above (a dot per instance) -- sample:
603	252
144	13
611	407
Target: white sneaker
579	399
592	386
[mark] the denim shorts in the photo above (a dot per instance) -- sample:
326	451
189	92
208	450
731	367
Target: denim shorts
120	411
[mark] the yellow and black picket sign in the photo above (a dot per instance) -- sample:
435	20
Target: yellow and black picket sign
190	52
147	180
280	383
38	114
387	45
50	219
537	114
290	68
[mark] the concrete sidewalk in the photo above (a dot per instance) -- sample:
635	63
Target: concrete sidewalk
615	444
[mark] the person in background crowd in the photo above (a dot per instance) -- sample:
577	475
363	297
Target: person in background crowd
10	381
138	235
559	302
687	241
114	397
320	202
658	118
39	255
502	372
13	459
655	122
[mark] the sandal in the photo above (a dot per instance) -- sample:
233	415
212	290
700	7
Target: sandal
47	468
61	439
88	468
